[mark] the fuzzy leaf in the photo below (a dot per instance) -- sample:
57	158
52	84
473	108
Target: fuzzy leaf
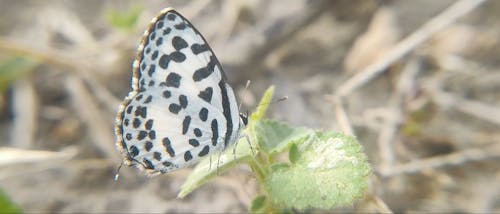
275	137
258	204
331	170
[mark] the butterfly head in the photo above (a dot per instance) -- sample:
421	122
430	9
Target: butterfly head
243	119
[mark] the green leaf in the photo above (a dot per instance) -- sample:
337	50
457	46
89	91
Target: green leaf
258	204
12	69
293	154
274	137
210	167
6	205
263	105
125	20
278	166
331	170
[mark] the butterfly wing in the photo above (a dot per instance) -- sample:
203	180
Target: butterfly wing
181	107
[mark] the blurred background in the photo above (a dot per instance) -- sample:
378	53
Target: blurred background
417	82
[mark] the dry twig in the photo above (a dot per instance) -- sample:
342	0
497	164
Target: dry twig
63	61
394	118
341	115
90	114
453	159
433	26
475	108
24	107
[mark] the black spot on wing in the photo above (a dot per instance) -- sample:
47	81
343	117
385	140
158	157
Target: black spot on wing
194	142
197	132
203	114
154	56
185	124
148	99
167	31
206	94
167	94
174	108
164	61
152	135
157	156
201	74
151	70
148	146
215	132
204	151
168	147
177	56
129	109
159	25
142	135
142	83
187	156
148	164
173	80
136	123
204	72
171	16
183	101
159	41
141	111
199	48
128	136
167	163
180	26
133	151
149	124
179	43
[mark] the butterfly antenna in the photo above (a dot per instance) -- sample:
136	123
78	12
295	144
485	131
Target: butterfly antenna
274	101
117	174
244	94
281	99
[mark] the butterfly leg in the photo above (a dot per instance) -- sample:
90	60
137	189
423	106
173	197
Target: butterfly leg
218	162
210	164
249	143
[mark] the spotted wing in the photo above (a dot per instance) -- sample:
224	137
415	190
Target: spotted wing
180	108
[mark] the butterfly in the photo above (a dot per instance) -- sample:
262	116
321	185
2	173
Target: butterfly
180	108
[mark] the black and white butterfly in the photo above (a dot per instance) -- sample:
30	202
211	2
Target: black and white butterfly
180	108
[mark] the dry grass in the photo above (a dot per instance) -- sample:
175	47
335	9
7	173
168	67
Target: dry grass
417	82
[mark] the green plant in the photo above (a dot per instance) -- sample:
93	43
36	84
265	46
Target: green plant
6	205
12	69
124	20
324	169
